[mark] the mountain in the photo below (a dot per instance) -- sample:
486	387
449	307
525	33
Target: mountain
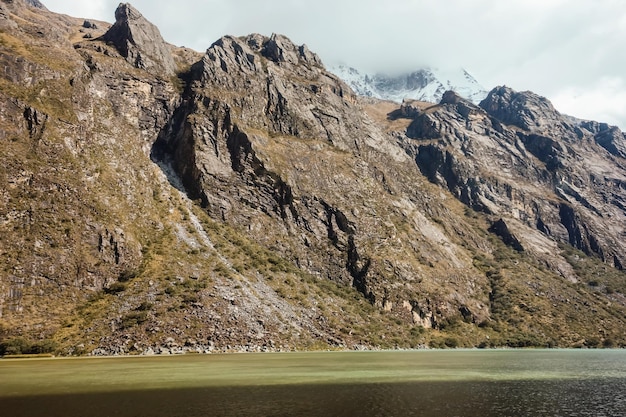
426	84
154	199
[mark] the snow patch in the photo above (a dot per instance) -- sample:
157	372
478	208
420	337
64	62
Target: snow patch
426	84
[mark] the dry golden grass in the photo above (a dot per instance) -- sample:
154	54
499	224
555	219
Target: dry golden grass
382	112
379	111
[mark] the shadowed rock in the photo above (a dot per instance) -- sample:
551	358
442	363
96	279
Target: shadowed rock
612	139
522	109
501	229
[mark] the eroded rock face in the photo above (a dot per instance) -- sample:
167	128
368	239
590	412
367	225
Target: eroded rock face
21	3
609	137
140	42
259	111
525	110
242	88
63	244
516	155
280	49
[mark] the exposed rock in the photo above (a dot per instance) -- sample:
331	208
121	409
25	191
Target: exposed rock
613	140
15	4
256	204
36	3
222	149
483	158
501	229
140	42
279	48
36	122
88	24
546	149
6	23
525	110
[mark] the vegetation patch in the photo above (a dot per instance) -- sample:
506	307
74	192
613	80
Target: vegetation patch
23	346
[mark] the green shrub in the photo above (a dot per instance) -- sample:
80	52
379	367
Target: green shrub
23	346
14	346
133	319
127	275
43	346
145	306
451	342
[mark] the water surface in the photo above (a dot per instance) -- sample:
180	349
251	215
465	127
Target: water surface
423	383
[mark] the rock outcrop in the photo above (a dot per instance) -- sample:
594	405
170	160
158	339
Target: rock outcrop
140	42
32	3
525	110
36	3
516	155
610	138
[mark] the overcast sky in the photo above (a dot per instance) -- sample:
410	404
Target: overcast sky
571	51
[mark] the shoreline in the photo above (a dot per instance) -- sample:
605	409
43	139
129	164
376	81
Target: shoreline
48	356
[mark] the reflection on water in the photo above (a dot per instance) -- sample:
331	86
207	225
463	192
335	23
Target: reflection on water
528	383
593	398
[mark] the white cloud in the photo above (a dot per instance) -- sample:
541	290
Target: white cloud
551	47
604	100
99	10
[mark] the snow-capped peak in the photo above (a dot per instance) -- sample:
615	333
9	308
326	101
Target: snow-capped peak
426	84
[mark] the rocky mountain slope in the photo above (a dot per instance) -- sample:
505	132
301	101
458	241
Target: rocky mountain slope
425	84
158	200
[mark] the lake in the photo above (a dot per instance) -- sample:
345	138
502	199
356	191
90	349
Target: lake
461	383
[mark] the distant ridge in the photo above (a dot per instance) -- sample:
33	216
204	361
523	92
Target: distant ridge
426	84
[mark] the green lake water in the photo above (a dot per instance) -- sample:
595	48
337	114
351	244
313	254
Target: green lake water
459	383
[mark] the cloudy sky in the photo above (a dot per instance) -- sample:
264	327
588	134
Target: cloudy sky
571	51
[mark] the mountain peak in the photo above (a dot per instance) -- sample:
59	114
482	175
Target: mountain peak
525	109
279	48
126	12
425	84
36	3
139	41
451	97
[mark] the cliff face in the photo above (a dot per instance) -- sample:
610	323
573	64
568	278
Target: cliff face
73	186
140	42
515	156
290	154
156	200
